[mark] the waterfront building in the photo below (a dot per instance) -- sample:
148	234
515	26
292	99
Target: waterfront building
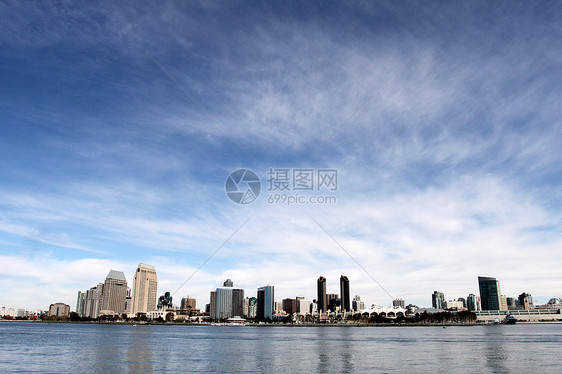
344	292
92	303
398	303
358	305
250	307
213	305
322	300
334	302
128	301
473	303
227	301
224	303
187	302
453	305
114	292
490	295
165	301
511	303
463	301
278	308
59	310
145	286
437	300
290	306
525	301
266	302
228	283
303	306
80	301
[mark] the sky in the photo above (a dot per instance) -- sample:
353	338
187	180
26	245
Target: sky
121	122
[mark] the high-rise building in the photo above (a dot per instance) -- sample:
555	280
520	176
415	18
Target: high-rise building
165	301
213	305
334	302
398	303
525	301
290	306
437	300
322	300
227	302
228	283
473	303
80	301
92	304
358	305
114	292
187	302
237	302
345	297
145	287
266	302
129	301
250	307
303	305
490	295
224	303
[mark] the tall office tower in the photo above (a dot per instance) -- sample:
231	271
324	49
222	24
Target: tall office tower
165	301
114	292
266	302
145	287
322	301
80	301
128	301
473	303
237	302
437	300
399	303
503	302
303	305
525	301
333	301
290	306
228	283
213	305
187	302
358	305
93	301
224	303
344	292
227	302
490	295
250	307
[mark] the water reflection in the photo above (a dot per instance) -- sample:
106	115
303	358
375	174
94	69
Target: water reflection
495	350
139	349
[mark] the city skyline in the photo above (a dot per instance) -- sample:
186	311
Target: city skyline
120	128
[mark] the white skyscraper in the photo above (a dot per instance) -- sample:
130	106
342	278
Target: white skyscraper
145	288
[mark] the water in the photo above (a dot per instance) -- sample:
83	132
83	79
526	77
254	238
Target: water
92	348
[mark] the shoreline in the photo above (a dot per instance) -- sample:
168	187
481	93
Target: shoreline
283	324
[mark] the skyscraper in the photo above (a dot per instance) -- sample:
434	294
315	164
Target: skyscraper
145	287
358	305
473	303
490	295
114	292
344	292
266	301
438	299
398	303
290	306
322	301
227	302
525	301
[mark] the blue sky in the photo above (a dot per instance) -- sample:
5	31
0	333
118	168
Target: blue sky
119	124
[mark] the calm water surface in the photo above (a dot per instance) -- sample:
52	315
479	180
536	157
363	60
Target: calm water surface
77	348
